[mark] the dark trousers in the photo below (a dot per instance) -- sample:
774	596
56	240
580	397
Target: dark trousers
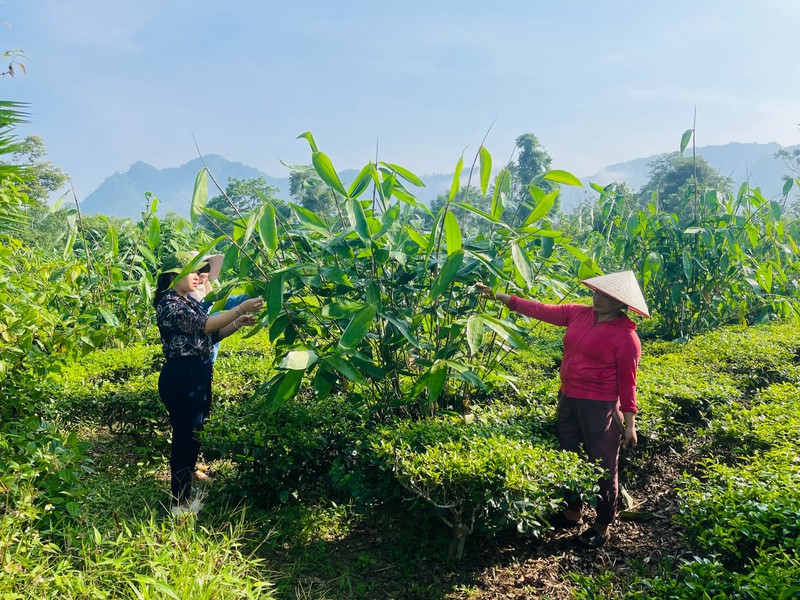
589	423
185	389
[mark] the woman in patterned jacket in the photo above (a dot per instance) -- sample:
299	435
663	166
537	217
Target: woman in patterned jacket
188	335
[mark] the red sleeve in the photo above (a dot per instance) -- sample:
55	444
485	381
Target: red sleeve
555	314
628	356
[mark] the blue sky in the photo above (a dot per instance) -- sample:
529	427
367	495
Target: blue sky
114	82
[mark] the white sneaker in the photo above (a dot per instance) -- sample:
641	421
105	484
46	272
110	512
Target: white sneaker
184	508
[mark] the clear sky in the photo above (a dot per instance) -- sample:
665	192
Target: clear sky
111	82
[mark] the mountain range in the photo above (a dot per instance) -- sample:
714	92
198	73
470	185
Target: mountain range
122	194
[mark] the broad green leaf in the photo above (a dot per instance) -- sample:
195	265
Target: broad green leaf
252	221
405	174
417	237
452	233
308	218
108	316
506	331
482	214
588	269
310	138
339	310
787	186
548	243
576	252
523	264
298	360
776	210
436	379
219	216
274	297
199	196
686	138
154	233
343	366
358	220
502	189
324	168
113	239
447	275
357	328
454	187
268	229
686	258
475	329
559	176
360	183
284	387
402	327
486	169
542	207
323	382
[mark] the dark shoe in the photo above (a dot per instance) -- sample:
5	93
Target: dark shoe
591	538
562	521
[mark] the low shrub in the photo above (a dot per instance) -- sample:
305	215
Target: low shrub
735	511
675	395
756	356
296	448
474	474
771	418
766	576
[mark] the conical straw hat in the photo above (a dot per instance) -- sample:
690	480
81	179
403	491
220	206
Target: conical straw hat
621	286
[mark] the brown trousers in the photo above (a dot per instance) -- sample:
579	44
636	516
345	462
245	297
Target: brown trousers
589	423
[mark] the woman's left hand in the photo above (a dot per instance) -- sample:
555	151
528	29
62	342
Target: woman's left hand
630	437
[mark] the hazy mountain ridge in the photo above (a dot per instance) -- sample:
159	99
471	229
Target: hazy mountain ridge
122	194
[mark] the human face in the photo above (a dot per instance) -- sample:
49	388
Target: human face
606	307
187	284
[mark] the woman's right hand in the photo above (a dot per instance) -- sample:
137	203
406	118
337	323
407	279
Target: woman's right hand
484	290
251	305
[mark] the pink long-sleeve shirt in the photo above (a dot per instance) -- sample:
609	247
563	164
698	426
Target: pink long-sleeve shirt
600	359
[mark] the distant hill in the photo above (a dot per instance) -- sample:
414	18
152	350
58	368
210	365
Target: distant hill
122	194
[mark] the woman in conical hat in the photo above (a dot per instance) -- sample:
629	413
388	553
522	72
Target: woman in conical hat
598	380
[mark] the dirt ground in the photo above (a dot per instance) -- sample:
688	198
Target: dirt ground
517	569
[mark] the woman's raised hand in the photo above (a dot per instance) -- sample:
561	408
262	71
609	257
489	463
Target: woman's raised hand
251	305
483	290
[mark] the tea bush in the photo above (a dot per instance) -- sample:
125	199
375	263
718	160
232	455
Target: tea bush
771	418
287	452
755	356
675	396
482	475
766	576
737	510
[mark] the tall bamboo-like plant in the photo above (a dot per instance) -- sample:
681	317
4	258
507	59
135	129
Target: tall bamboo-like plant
376	303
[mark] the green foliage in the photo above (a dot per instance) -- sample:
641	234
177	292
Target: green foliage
482	472
675	395
770	419
678	182
381	302
301	448
140	559
738	510
766	576
735	264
